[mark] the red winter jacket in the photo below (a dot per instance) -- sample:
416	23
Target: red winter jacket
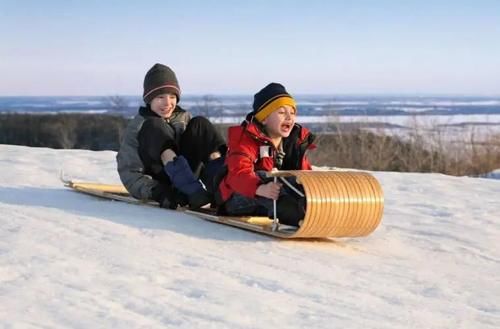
251	150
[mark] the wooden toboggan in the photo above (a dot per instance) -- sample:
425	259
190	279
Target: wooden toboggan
338	204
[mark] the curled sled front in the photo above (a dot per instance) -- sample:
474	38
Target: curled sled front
338	204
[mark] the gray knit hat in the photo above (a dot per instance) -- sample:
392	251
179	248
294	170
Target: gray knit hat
160	79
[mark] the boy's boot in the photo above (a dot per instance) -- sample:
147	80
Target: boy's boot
183	179
290	210
209	173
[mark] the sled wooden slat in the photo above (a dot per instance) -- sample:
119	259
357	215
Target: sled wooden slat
109	188
338	203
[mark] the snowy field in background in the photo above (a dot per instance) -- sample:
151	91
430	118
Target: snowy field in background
72	261
400	120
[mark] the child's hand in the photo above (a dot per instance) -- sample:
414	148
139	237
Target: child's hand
270	190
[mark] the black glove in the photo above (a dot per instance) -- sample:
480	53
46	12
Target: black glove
165	196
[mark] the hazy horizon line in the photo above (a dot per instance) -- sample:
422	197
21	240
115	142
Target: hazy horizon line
251	95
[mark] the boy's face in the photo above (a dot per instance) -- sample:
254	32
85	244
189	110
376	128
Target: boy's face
164	105
280	122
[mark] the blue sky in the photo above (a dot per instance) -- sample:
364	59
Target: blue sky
93	47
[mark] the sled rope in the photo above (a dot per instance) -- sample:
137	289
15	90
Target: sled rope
293	188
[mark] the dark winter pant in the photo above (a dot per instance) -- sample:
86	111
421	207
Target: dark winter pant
196	143
240	205
200	140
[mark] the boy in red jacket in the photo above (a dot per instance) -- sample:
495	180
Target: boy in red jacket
268	139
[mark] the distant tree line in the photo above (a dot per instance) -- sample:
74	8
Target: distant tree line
63	131
341	147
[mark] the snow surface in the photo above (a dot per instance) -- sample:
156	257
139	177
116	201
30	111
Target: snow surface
69	260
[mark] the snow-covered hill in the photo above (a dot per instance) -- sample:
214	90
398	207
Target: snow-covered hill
72	261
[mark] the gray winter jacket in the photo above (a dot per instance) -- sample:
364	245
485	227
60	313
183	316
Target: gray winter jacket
130	166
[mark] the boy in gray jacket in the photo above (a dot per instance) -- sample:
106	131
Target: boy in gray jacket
164	145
